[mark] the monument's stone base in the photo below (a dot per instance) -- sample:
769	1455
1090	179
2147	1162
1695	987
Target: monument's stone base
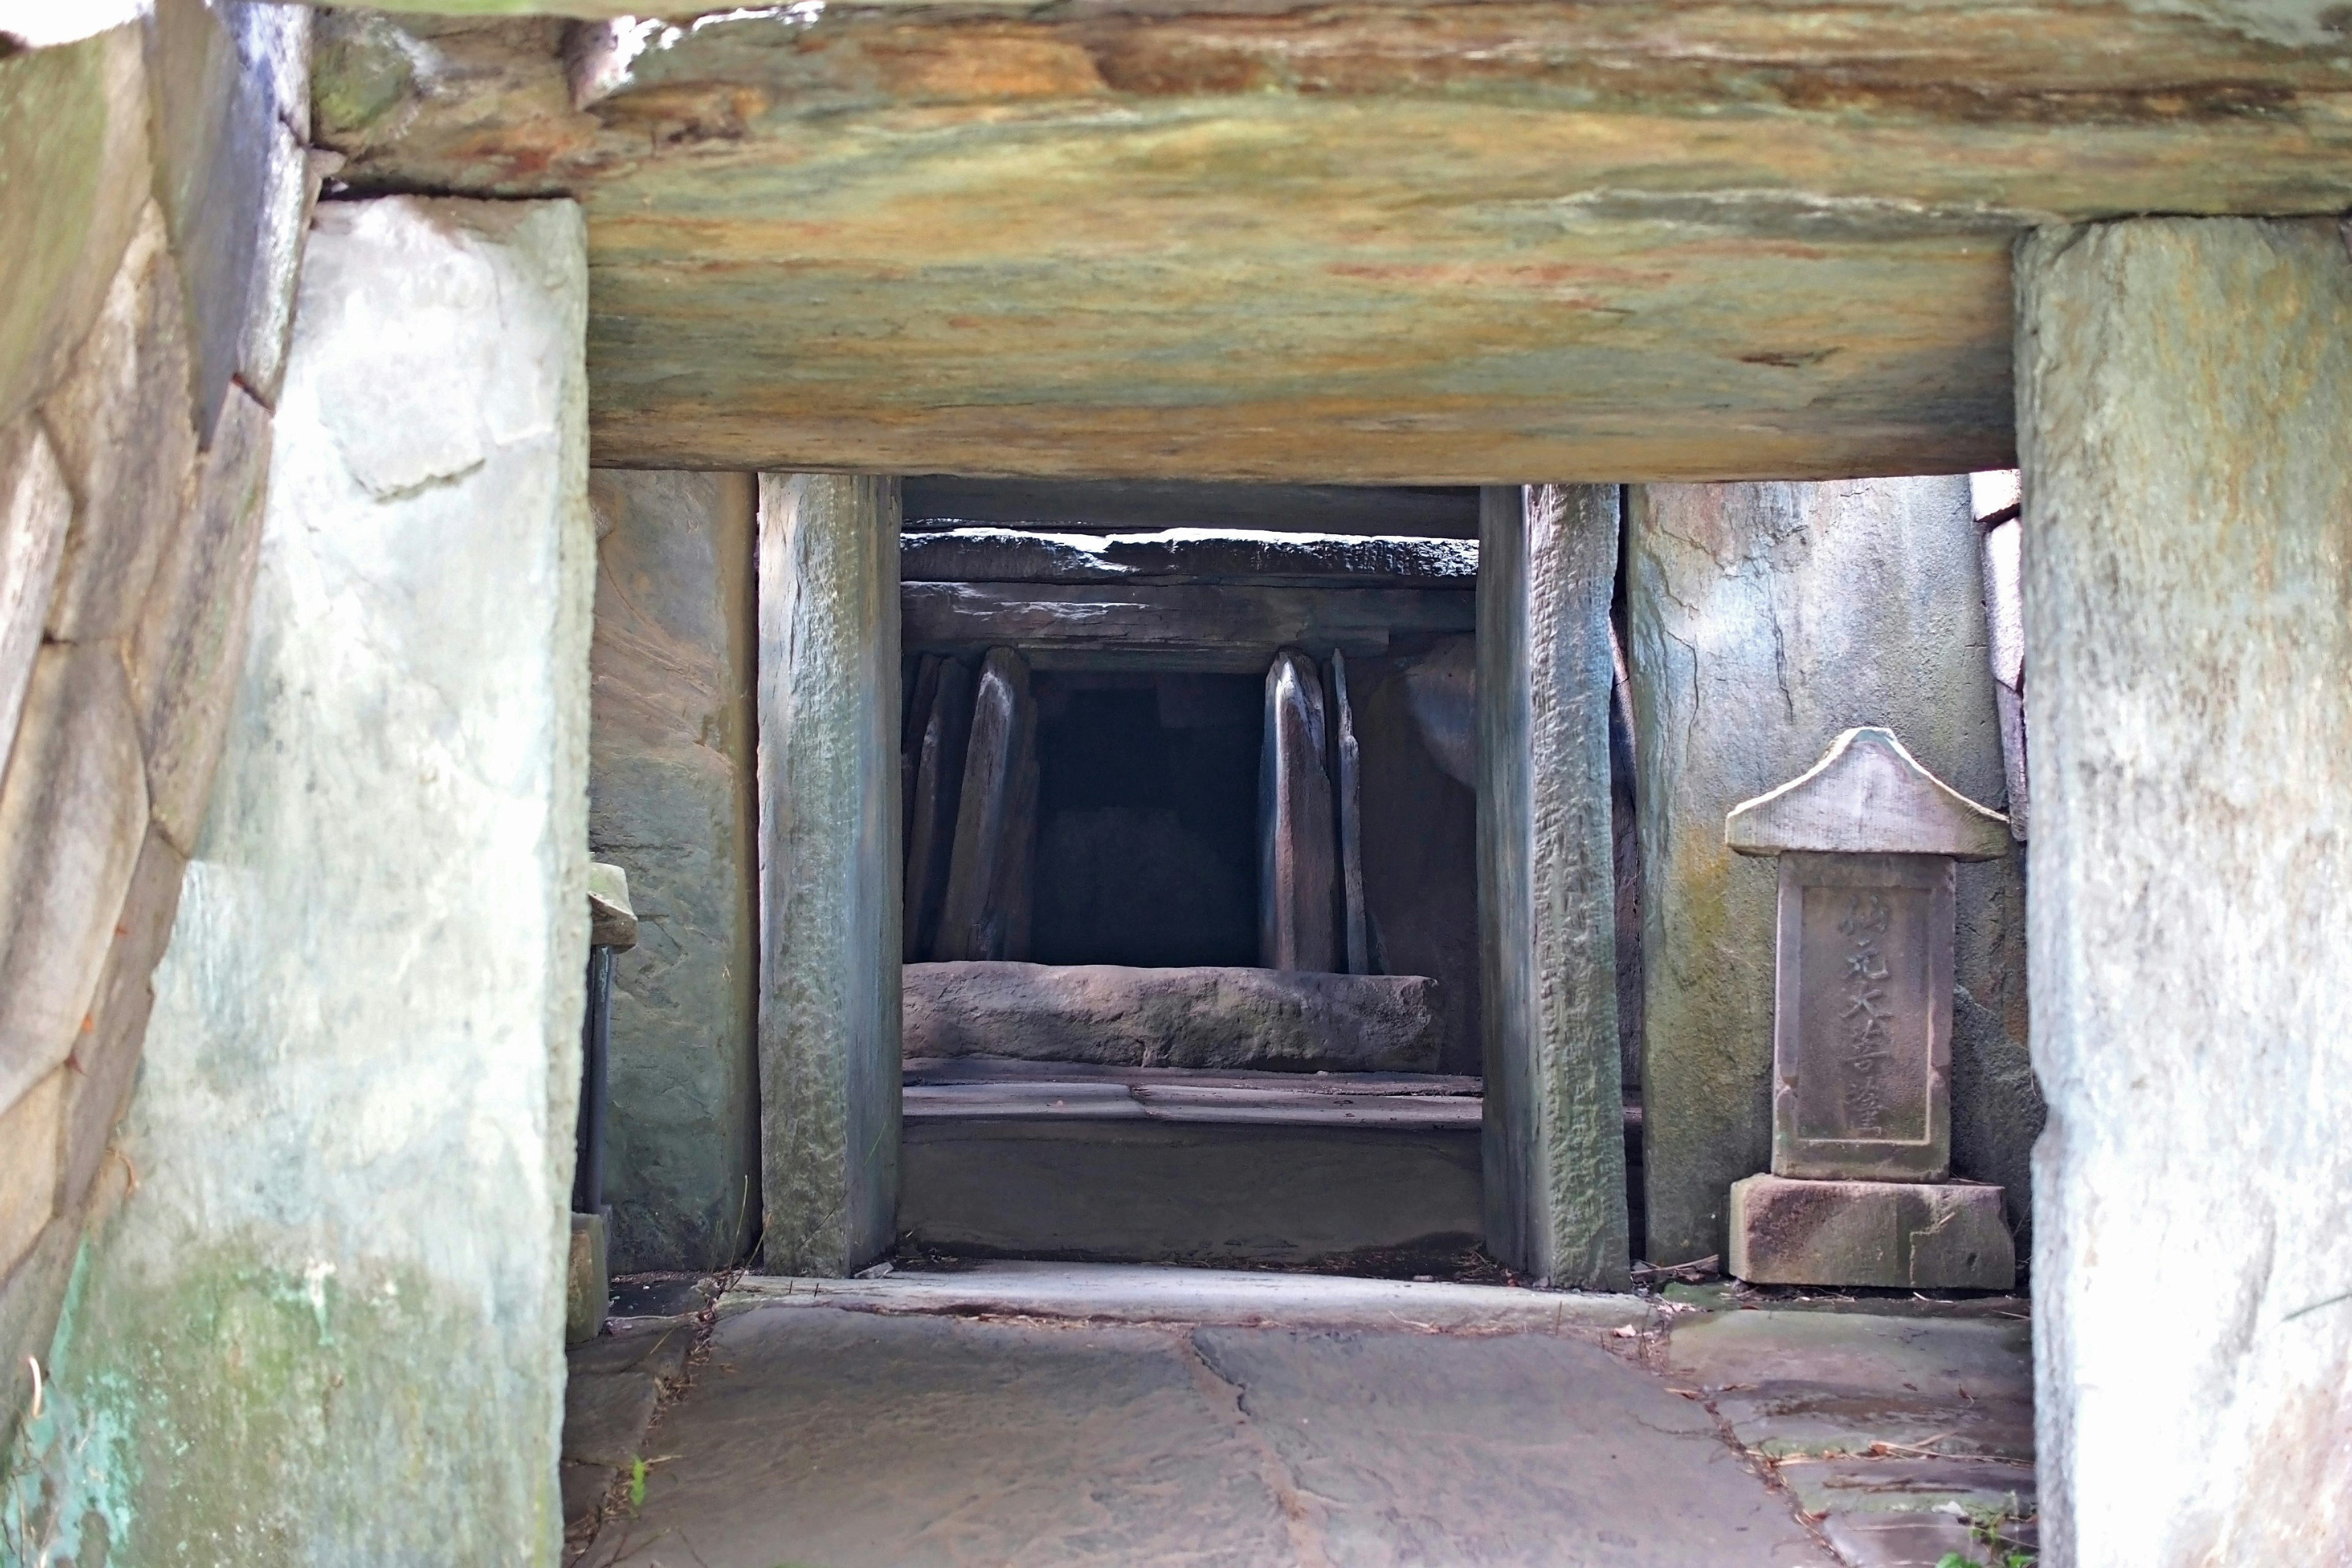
1920	1235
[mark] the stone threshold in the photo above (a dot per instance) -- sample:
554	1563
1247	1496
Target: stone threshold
978	1088
1158	1293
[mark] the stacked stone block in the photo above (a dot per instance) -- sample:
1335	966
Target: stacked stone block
153	187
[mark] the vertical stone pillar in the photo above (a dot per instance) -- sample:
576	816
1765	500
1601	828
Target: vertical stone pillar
1297	847
1762	621
670	801
2184	396
984	911
326	1321
829	894
1555	1149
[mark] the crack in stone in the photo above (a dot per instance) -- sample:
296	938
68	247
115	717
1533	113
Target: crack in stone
1302	1513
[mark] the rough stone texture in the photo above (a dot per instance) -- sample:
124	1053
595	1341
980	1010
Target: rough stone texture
122	428
1163	625
1203	554
191	632
1298	835
325	1324
932	767
924	1440
1867	796
587	1281
36	507
1421	834
1547	917
231	105
985	911
1115	506
2184	391
1405	242
1205	1017
671	799
1201	1192
31	1134
1763	620
1861	1018
105	1057
73	141
1913	1235
73	809
828	830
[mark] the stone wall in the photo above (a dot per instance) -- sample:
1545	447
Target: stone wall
326	1324
153	186
670	800
1763	620
2184	390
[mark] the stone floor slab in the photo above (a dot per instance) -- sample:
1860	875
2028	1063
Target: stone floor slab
849	1438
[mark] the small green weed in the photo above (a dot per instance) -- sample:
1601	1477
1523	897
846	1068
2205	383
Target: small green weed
1987	1529
636	1485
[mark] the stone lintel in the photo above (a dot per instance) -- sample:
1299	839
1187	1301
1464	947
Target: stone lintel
1919	1235
1867	795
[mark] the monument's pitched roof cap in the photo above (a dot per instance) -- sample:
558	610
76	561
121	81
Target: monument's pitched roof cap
1867	795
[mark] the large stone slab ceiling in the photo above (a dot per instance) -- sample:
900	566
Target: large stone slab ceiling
2186	390
1555	1149
1393	242
1763	620
829	895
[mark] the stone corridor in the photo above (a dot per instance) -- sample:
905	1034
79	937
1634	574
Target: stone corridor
1050	1415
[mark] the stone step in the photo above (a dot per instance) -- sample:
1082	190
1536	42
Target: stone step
1138	1164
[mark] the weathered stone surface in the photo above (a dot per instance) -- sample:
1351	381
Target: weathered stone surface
105	1060
1914	1236
1202	554
1421	834
1112	506
587	1286
31	1138
190	638
121	424
1367	1440
985	911
2184	388
1198	627
1144	1189
382	933
938	752
1347	803
35	510
1867	795
229	88
73	137
73	809
1685	240
612	921
671	800
1555	1156
1763	620
1200	1018
1297	844
1862	1018
829	916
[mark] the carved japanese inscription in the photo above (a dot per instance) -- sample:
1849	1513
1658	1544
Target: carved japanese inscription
1862	1041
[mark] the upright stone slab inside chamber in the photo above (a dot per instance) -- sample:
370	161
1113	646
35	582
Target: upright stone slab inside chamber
1862	1037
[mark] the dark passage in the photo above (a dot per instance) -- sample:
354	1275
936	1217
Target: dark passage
1147	818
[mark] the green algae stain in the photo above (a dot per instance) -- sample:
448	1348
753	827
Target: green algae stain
235	1411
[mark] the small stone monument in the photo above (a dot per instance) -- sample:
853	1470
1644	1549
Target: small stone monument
1858	1191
